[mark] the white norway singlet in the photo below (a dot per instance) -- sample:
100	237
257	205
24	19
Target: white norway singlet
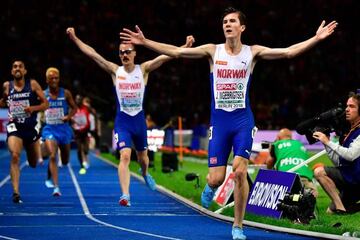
130	88
231	78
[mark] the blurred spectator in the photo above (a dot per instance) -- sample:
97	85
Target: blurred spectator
199	133
169	128
315	76
150	124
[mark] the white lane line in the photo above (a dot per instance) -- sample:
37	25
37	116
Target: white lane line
7	178
98	214
6	153
49	226
88	214
8	238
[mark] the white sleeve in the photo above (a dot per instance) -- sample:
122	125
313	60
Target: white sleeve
334	157
350	154
92	122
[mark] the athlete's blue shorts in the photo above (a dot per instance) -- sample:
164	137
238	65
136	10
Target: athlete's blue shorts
230	131
131	129
61	133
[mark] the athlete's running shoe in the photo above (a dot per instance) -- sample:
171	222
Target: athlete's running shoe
86	165
125	200
56	192
82	171
207	196
16	198
49	183
150	182
238	234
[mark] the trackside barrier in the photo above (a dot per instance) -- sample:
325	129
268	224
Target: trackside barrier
312	158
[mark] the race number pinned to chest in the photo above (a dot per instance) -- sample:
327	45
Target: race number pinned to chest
16	108
54	115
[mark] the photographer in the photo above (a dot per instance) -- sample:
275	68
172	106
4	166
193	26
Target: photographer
345	176
286	153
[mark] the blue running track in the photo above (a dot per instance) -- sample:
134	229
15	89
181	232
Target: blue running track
88	209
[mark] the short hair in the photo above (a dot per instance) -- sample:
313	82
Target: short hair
285	133
52	69
133	45
18	60
241	15
356	96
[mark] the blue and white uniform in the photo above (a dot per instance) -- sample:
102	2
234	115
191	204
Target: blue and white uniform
21	123
232	121
55	128
130	118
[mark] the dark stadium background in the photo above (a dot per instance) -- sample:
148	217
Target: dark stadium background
283	92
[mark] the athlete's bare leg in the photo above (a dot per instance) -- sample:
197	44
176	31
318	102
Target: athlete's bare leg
143	160
241	189
123	170
53	149
15	146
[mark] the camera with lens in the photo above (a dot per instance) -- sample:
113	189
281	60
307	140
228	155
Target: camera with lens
298	207
266	144
327	122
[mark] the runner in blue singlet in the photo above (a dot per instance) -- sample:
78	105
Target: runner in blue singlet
232	122
57	132
129	82
24	98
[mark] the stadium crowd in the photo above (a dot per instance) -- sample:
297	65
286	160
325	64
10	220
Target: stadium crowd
283	92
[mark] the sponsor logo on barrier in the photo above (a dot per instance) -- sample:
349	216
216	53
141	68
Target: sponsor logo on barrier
225	191
269	187
267	194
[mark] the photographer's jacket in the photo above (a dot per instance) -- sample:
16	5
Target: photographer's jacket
347	156
290	153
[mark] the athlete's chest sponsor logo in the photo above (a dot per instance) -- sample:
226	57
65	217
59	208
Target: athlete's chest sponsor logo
219	62
130	95
229	86
121	77
231	73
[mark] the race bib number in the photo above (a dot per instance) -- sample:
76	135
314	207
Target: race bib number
16	109
229	96
54	115
80	121
131	102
